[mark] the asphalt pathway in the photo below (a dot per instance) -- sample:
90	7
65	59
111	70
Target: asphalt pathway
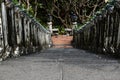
60	64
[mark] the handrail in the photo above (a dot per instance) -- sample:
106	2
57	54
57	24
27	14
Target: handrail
20	33
102	32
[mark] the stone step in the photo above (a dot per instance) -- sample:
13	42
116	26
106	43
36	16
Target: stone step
62	46
61	64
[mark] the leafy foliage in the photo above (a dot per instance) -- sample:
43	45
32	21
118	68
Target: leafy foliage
61	9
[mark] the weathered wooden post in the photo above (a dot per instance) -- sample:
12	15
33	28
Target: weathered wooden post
17	31
6	49
19	38
74	21
48	41
25	29
39	37
4	23
118	37
37	28
1	33
28	31
34	36
49	22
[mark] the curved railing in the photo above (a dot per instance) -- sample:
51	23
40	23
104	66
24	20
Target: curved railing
102	33
20	33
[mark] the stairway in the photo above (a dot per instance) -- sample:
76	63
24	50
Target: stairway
61	64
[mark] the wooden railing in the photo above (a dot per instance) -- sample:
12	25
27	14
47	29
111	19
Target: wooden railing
102	33
20	33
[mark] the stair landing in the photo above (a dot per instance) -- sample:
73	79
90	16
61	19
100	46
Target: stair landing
62	41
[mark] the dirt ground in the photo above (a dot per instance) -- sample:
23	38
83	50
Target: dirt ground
62	41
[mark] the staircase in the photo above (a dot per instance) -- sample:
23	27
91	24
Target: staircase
61	64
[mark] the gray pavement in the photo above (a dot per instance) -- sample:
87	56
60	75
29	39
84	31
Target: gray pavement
61	64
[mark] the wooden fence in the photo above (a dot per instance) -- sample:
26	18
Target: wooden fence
20	33
102	33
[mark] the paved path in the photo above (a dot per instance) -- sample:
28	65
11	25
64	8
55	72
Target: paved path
60	64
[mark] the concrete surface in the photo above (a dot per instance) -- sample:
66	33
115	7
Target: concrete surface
61	64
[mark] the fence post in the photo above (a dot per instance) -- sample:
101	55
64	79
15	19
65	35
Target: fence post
118	38
49	23
4	24
1	34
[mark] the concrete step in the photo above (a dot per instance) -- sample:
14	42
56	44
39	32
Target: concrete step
61	64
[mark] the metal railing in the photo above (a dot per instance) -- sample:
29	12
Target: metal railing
20	33
102	33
